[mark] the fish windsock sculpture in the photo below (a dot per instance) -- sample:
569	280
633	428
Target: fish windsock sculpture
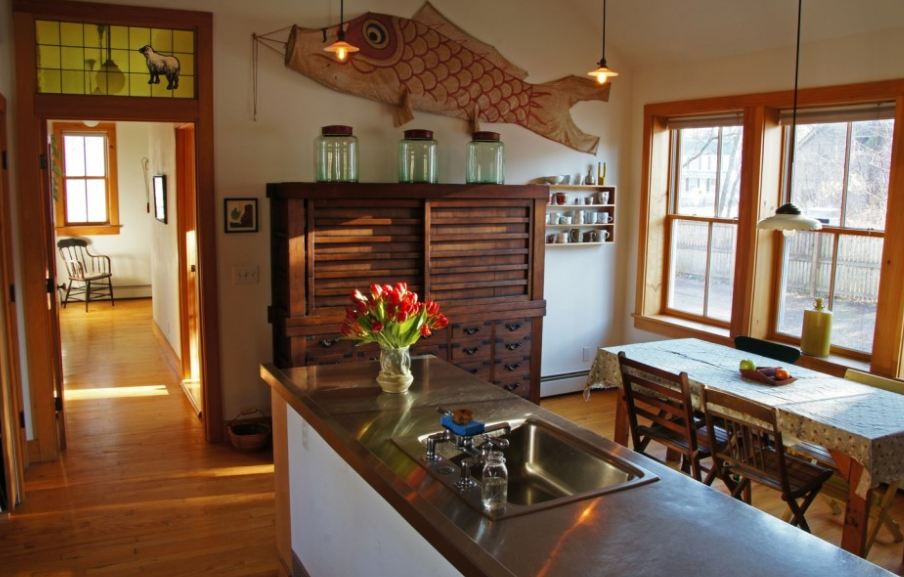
428	63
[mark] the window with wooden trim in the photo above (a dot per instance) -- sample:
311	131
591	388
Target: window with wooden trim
84	178
842	164
702	218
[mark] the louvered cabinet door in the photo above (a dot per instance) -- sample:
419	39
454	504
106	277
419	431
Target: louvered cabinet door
354	244
479	250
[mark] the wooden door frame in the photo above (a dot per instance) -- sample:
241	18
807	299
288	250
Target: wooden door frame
34	199
186	217
10	382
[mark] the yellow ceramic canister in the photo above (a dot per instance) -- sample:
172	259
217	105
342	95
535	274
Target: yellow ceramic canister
815	339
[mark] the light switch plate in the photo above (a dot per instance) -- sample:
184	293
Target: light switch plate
246	274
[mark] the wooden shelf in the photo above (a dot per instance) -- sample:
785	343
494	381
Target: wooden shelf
579	206
564	244
591	225
579	186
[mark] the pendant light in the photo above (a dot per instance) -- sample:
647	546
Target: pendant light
602	72
788	218
340	47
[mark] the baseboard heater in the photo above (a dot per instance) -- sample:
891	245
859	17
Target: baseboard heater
565	383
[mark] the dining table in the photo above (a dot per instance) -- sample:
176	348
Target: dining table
861	426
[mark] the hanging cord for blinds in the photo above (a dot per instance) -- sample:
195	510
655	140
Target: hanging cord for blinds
266	40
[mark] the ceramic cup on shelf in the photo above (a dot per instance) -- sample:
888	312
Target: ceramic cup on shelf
574	235
588	200
561	198
603	218
551	238
604	235
580	217
602	197
563	219
562	238
589	236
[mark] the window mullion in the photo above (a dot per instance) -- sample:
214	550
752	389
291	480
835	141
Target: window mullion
709	261
845	176
718	194
836	238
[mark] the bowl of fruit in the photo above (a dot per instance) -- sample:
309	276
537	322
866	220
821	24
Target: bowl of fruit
767	375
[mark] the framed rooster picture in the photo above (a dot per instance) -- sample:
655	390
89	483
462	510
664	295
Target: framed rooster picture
240	214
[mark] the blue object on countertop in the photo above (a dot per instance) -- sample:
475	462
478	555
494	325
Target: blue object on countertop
468	430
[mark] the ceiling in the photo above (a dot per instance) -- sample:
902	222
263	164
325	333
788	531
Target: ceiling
655	32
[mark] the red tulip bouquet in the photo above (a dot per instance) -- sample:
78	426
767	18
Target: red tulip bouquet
393	318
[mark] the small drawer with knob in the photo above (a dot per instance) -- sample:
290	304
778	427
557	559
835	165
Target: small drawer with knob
512	329
329	348
480	369
475	330
513	375
512	346
471	350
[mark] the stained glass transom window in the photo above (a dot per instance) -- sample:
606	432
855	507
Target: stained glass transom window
84	58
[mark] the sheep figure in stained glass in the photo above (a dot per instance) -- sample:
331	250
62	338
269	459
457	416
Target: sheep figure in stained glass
163	64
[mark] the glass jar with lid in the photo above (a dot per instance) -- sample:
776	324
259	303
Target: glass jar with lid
494	481
485	159
417	157
336	154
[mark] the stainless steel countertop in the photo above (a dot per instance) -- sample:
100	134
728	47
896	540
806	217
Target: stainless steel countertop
674	526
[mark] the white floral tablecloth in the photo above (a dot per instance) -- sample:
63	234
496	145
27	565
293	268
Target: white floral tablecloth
861	421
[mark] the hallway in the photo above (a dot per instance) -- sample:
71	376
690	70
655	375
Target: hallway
138	491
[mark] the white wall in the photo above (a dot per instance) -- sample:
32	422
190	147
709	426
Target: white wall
163	236
8	88
130	250
860	58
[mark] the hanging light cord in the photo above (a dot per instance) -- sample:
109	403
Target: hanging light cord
341	34
800	5
604	33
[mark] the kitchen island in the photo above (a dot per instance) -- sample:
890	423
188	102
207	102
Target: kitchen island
351	502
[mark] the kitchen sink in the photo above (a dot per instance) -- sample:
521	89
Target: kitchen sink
547	467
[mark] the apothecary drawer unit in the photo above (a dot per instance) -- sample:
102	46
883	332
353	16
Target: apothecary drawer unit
476	249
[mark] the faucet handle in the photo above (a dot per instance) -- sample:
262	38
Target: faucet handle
490	443
465	481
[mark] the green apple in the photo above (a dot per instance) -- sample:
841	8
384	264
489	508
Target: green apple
748	365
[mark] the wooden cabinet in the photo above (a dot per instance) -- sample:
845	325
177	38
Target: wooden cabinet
580	211
476	249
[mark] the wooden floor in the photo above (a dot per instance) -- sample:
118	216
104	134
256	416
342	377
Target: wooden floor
598	415
139	492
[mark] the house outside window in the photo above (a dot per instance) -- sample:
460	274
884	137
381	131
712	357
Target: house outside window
84	178
842	164
702	219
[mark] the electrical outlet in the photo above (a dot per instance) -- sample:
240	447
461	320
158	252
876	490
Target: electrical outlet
245	274
587	354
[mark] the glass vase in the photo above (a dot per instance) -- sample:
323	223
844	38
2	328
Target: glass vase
395	370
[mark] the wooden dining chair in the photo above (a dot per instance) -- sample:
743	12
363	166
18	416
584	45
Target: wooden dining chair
663	401
90	276
777	351
755	453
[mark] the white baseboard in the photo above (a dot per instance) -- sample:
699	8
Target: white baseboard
563	386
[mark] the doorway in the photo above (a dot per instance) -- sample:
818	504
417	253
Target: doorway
128	190
35	108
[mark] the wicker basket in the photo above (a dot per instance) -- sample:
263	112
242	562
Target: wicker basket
247	432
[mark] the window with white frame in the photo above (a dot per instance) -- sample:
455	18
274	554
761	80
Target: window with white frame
842	163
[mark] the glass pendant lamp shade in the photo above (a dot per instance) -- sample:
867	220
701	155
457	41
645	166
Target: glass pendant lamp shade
602	72
340	48
789	218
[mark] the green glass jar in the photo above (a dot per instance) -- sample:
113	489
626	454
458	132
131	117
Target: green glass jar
485	159
336	155
417	157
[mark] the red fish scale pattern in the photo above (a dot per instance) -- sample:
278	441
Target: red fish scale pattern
446	70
